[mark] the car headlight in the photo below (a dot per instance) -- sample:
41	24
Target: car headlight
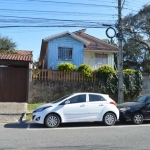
41	109
124	108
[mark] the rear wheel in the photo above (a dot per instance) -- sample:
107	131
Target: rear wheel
52	121
109	119
137	118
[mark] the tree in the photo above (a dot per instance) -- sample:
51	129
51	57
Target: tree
133	55
6	44
113	41
136	40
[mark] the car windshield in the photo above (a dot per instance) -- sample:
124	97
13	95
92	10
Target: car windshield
140	99
60	99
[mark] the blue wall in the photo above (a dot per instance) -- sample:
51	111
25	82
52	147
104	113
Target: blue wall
65	41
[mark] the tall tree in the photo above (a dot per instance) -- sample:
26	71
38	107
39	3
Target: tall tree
136	40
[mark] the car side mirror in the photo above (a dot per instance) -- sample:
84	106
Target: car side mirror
67	102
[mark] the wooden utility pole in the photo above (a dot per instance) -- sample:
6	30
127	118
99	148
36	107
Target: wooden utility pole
120	56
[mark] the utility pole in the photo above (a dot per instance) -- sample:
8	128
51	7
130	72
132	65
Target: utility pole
120	56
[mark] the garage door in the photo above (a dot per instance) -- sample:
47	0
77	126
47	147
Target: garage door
13	84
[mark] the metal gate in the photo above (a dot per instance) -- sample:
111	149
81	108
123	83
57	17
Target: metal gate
13	84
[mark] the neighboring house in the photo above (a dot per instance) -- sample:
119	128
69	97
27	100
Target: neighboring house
76	48
15	72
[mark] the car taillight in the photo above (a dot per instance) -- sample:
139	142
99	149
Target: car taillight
113	102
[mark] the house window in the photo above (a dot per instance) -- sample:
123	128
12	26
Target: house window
64	53
101	58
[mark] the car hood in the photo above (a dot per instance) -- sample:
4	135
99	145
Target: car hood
46	105
130	104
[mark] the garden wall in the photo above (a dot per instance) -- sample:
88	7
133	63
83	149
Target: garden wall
146	85
47	91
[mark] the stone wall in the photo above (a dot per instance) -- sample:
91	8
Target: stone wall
146	85
47	91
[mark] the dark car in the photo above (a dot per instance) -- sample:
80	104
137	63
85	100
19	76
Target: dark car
136	110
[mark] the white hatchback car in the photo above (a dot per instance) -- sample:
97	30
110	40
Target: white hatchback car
77	107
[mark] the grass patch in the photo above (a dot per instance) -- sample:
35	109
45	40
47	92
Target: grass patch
33	106
29	116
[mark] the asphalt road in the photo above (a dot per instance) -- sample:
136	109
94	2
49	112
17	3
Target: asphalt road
78	136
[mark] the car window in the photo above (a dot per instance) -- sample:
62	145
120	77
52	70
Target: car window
78	99
93	98
60	99
140	98
147	100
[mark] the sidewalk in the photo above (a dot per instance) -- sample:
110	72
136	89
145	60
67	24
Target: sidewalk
12	112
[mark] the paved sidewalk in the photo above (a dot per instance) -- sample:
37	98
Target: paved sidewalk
12	112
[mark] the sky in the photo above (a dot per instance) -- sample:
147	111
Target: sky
35	20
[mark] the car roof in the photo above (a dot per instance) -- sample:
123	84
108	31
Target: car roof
90	93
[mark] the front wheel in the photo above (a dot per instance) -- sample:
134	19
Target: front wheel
52	121
137	118
109	119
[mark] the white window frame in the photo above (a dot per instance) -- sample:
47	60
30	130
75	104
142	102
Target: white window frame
101	58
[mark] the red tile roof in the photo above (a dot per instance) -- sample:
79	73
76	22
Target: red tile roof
95	43
18	56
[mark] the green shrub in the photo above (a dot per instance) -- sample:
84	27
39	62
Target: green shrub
129	71
132	81
86	70
65	66
107	79
106	70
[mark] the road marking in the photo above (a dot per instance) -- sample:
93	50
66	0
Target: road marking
79	128
28	126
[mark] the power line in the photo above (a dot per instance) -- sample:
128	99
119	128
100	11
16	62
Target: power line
68	3
50	19
67	13
51	26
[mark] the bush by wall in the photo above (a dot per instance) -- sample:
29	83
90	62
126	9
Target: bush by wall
129	71
108	81
66	66
106	70
132	83
86	70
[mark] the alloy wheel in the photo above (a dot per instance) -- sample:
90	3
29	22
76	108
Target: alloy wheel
52	121
109	119
137	118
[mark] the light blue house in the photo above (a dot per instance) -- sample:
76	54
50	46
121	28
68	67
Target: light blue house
76	48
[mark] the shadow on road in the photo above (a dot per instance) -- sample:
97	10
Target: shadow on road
15	125
32	125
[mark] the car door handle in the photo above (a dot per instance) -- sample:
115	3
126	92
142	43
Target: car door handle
82	105
101	105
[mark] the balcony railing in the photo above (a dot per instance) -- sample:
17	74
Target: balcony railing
50	75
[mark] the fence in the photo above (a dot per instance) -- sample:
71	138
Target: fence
50	75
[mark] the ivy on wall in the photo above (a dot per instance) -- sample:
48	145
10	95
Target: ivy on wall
108	81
